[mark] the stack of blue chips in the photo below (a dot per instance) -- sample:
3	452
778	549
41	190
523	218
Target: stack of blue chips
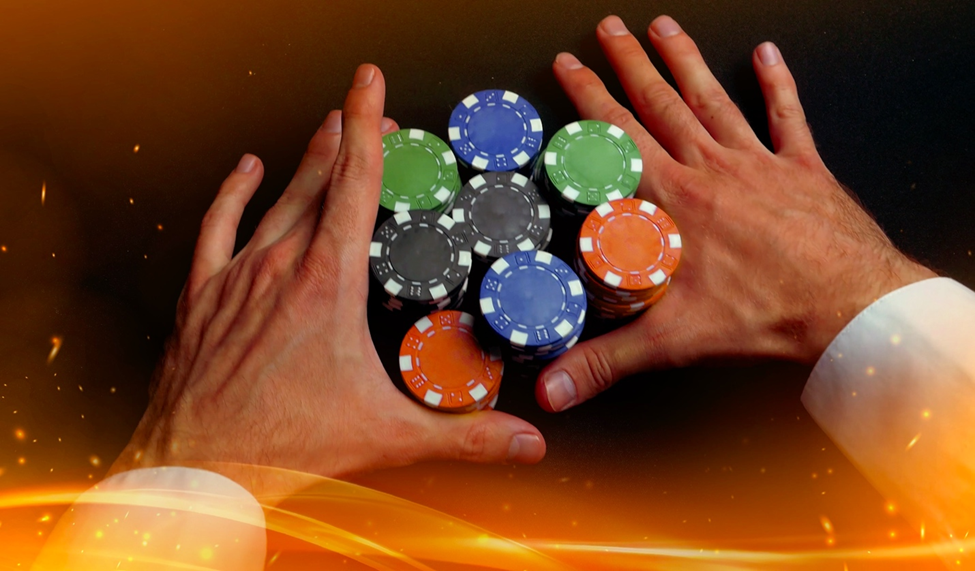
536	303
495	131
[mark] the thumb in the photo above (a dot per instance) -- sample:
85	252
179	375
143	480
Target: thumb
488	437
592	367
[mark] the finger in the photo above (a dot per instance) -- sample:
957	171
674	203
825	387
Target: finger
218	232
590	97
701	91
487	437
302	199
353	196
660	107
592	367
786	119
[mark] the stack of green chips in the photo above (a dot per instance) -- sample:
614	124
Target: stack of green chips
588	163
419	172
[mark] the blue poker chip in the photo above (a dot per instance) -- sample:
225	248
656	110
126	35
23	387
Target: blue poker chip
495	130
534	300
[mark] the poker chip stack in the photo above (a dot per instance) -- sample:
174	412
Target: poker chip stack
535	303
445	367
626	255
586	164
419	172
499	213
419	262
495	130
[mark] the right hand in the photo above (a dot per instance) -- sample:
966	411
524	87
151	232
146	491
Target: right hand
777	256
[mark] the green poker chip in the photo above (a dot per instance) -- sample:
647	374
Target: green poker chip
591	162
419	172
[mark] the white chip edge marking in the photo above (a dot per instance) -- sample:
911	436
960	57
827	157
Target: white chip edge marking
442	195
519	338
604	209
522	158
510	97
543	257
405	363
401	207
477	182
575	288
573	128
458	215
438	291
375	249
482	249
432	398
658	277
572	342
519	179
402	217
544	211
564	328
478	392
615	195
466	319
636	165
551	158
674	240
570	194
416	134
615	131
613	279
464	259
585	245
423	324
449	158
454	133
648	207
470	101
480	163
445	221
392	287
536	125
487	306
526	245
499	266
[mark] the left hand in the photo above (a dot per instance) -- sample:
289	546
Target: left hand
272	362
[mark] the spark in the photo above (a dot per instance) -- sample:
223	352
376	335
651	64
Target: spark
131	201
926	414
912	442
55	348
95	461
45	517
43	192
3	249
827	525
21	460
135	149
159	227
20	434
922	531
891	508
871	371
895	339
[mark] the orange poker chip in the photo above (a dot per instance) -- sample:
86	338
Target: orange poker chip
630	245
445	368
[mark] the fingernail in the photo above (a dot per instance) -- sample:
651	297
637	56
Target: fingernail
364	75
614	26
333	123
524	448
568	61
665	27
561	391
769	54
387	124
246	164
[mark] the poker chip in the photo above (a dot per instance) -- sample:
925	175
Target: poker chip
419	172
500	213
495	130
445	367
419	262
626	254
588	163
535	303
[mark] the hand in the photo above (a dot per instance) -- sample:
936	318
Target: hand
271	362
777	257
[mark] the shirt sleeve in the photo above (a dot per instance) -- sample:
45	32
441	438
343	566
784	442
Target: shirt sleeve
159	518
896	392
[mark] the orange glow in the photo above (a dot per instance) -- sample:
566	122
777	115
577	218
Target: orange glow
43	192
913	442
55	348
20	434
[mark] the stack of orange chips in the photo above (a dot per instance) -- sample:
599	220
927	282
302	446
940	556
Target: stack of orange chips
627	252
444	366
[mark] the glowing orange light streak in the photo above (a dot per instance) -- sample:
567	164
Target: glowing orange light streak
55	348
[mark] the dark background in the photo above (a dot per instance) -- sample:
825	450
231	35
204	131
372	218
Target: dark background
887	87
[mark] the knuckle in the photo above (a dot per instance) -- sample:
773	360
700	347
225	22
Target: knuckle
601	371
274	263
352	169
711	101
317	270
474	443
618	115
658	96
789	112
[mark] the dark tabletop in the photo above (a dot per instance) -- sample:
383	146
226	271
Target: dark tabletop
887	87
